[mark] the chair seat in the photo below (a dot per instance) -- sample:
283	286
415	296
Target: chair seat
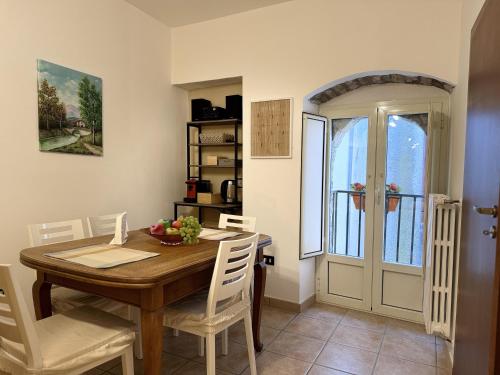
77	337
64	299
189	314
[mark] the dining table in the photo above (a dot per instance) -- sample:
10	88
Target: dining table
150	284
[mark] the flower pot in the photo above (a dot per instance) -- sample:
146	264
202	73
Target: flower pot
392	203
359	201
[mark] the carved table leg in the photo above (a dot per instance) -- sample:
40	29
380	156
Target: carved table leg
41	297
258	298
152	330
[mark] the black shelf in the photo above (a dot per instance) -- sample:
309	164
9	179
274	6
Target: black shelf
223	207
212	166
230	121
226	144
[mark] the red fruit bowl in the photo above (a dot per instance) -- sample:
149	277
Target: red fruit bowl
166	239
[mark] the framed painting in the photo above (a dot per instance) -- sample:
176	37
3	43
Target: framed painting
271	133
69	110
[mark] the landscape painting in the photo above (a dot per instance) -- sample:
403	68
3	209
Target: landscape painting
69	110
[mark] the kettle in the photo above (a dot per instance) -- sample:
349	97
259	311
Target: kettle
227	191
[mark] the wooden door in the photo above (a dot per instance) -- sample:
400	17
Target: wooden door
477	346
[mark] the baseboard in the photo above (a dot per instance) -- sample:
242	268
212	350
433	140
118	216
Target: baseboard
290	306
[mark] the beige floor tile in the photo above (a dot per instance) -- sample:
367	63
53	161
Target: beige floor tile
169	364
237	334
235	362
358	337
364	320
273	317
396	366
185	345
443	357
193	368
325	312
412	350
296	346
274	364
320	370
315	328
410	330
348	359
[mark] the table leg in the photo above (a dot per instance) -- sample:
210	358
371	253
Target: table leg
152	333
258	298
41	297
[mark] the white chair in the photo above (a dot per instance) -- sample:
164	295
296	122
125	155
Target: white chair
102	225
227	302
64	299
69	343
49	233
245	223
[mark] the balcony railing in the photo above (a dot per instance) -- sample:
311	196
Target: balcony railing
403	228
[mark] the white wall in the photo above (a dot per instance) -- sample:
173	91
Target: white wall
291	49
470	12
143	118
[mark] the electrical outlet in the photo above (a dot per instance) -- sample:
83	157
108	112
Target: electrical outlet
269	260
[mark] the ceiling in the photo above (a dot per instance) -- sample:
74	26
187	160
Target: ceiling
184	12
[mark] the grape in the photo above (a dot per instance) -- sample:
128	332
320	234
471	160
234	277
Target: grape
190	229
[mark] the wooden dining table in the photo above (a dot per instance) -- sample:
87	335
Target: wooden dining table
150	284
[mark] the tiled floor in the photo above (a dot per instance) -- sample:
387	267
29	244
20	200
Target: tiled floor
324	340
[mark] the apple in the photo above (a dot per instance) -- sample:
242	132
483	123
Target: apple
166	223
177	224
172	231
157	229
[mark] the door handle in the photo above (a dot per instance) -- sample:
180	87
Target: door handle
492	232
490	211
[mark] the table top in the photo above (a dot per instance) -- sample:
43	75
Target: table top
173	262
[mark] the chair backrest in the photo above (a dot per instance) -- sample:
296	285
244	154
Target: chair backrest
233	271
102	225
246	223
49	233
15	321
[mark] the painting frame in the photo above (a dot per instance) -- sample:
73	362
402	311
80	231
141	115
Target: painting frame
282	139
70	111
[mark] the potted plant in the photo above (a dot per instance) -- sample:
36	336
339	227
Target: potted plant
392	201
358	197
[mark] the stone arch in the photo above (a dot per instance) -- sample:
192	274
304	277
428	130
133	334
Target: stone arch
351	83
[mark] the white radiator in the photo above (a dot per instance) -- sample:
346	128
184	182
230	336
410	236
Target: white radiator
441	264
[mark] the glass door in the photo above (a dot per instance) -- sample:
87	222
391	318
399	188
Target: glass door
347	267
377	178
399	230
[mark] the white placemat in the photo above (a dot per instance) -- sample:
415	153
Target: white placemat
102	256
216	234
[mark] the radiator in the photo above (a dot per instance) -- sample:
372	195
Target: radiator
441	265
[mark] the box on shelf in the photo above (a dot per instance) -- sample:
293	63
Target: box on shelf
225	162
215	138
213	159
209	198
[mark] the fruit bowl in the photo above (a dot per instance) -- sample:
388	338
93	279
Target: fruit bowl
166	239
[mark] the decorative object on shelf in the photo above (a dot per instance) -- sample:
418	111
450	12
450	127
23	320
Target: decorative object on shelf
225	192
359	196
216	138
191	190
204	186
174	232
213	159
234	106
271	133
214	113
69	110
392	201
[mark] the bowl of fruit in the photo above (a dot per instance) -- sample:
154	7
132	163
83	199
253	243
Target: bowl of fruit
175	232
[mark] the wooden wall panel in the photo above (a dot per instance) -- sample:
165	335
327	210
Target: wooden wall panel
271	129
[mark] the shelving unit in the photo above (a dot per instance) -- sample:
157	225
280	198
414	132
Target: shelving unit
198	165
